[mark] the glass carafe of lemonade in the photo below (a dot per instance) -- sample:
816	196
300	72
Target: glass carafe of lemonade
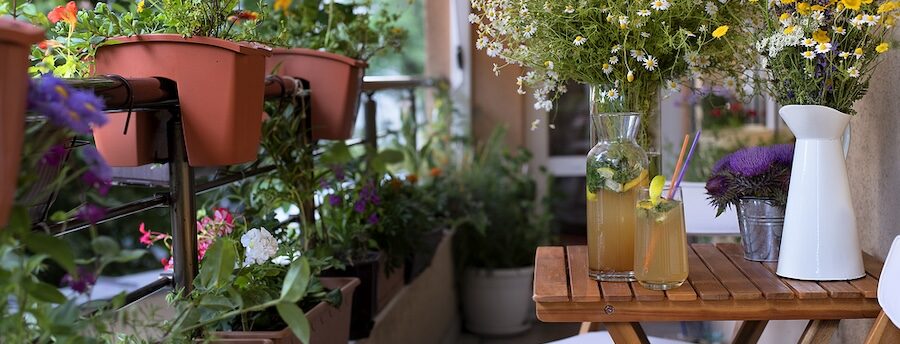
660	256
616	168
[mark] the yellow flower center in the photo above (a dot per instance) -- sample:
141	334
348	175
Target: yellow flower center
883	47
62	91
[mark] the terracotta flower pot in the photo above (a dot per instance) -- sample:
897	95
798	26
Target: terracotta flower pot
329	325
134	147
220	91
335	81
16	39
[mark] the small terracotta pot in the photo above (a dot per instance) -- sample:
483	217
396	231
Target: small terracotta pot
329	325
16	39
135	147
220	89
335	81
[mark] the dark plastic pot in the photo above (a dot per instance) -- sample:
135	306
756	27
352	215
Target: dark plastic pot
335	81
417	263
16	39
365	299
329	325
220	91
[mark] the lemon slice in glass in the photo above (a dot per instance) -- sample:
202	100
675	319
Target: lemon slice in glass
606	172
590	195
634	182
656	188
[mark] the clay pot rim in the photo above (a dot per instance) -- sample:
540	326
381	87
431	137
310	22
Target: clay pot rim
19	33
246	48
322	54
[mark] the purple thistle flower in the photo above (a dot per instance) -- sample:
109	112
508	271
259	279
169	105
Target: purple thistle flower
751	161
373	219
334	200
91	213
81	283
722	164
717	186
784	153
54	156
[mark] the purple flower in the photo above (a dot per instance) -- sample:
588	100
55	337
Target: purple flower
93	180
373	219
91	213
717	186
359	206
334	200
722	164
96	163
339	173
54	156
82	282
751	161
65	106
784	153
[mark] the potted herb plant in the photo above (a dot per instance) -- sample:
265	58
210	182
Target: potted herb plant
328	43
16	39
220	86
755	181
819	59
498	228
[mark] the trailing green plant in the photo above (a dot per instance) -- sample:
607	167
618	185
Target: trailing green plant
492	201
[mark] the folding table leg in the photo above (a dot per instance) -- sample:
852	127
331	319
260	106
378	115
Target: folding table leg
819	331
627	333
750	331
589	327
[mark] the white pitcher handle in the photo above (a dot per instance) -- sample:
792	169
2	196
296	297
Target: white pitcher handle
846	140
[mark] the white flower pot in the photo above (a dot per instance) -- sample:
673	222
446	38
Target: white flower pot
819	241
498	302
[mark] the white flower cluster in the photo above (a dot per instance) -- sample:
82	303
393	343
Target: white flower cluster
259	246
774	44
286	260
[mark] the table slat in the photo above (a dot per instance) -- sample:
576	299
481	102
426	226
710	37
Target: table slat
872	265
550	282
770	285
841	290
737	284
644	294
683	293
867	285
803	289
584	289
704	282
616	291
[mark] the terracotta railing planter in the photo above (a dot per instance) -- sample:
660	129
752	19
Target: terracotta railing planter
335	81
329	325
134	147
220	93
16	39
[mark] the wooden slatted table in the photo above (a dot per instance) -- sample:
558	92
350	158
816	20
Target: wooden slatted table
721	285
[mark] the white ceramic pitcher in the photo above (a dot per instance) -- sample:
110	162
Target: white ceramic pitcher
819	241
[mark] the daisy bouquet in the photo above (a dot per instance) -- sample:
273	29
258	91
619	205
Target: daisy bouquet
626	50
823	52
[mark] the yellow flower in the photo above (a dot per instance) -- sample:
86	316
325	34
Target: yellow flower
787	2
140	6
867	2
858	52
630	76
887	7
789	30
784	16
821	36
851	4
720	31
803	8
282	5
883	47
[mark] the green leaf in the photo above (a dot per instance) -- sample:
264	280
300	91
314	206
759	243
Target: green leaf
56	248
295	282
218	263
295	319
59	216
390	156
44	292
105	246
338	153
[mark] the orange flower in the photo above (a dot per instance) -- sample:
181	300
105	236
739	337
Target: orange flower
66	13
282	5
436	172
412	178
240	16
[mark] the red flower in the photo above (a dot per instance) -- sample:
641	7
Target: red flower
716	112
65	13
240	16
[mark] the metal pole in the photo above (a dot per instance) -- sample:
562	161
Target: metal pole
183	210
371	127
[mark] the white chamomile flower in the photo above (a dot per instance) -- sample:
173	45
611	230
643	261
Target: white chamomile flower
808	42
473	18
612	93
650	63
818	16
579	40
660	5
711	9
569	9
623	21
823	48
259	246
547	6
844	54
549	64
703	28
494	49
613	60
672	86
616	48
809	54
730	83
645	34
853	72
839	30
607	68
638	55
535	123
643	13
529	31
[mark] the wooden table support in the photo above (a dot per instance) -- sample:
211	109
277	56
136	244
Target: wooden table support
721	285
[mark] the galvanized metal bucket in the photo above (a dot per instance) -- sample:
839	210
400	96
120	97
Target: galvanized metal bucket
761	222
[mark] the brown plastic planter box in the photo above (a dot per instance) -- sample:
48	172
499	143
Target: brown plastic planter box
134	147
329	325
388	285
220	91
16	39
365	300
335	81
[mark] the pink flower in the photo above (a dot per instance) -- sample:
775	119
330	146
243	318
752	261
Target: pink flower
167	263
146	237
